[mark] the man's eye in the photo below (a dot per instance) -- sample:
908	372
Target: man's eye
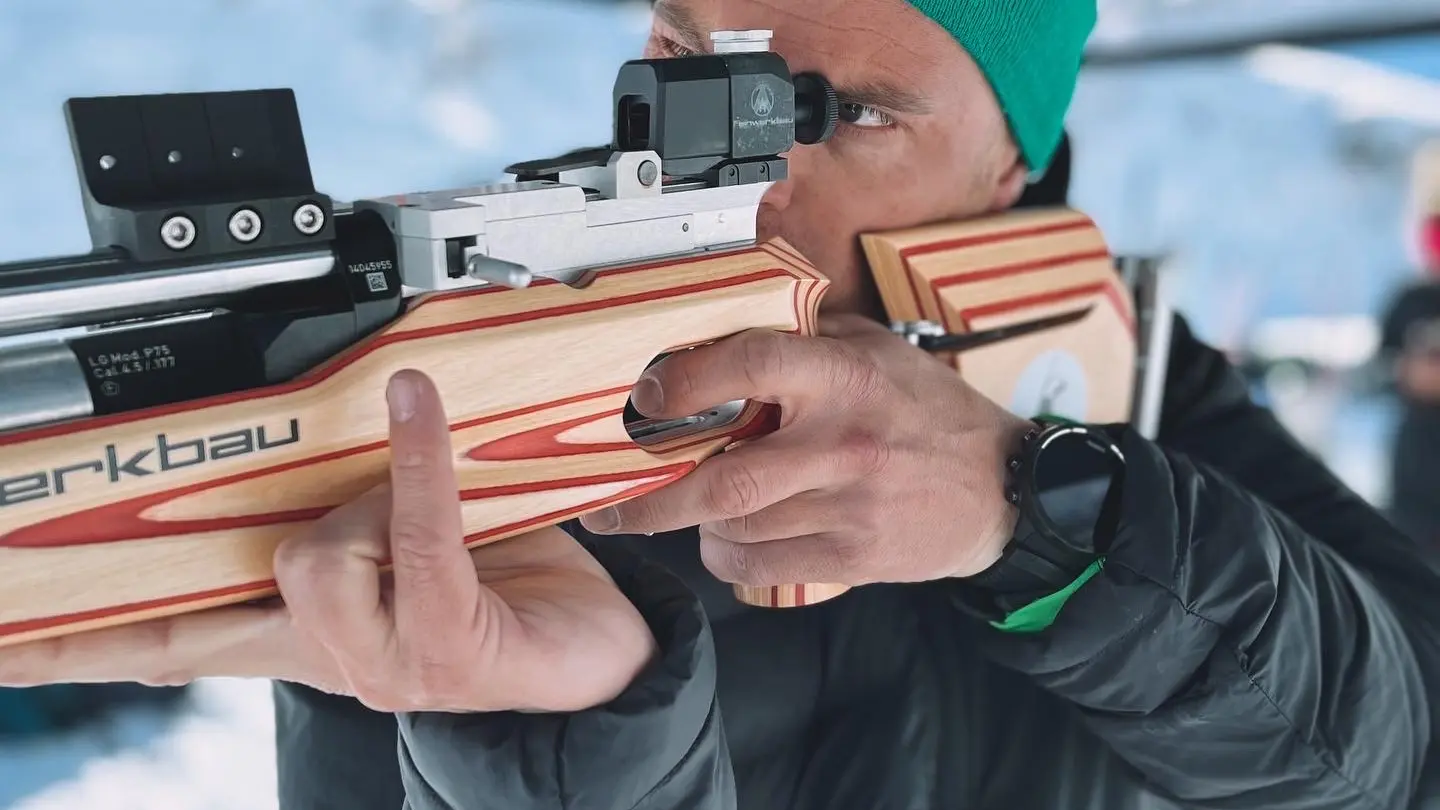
669	49
862	116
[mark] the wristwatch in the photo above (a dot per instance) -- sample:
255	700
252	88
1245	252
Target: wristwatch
1065	480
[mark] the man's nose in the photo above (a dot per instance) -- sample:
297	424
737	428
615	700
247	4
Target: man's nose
778	196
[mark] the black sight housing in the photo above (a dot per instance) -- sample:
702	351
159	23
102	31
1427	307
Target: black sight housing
724	118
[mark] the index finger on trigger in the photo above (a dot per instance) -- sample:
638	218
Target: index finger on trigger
757	364
730	485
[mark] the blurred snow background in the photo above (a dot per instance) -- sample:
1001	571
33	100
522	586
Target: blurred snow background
1277	183
1152	25
1274	179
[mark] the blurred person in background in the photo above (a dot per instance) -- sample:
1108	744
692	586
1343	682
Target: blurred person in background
1216	622
1410	343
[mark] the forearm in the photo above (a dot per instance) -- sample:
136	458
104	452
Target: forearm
659	746
1231	658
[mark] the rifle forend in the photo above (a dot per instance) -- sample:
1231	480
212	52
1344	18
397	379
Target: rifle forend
209	379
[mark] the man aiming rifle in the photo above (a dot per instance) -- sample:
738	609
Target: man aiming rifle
1213	620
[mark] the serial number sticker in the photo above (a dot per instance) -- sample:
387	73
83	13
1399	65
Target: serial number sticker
376	282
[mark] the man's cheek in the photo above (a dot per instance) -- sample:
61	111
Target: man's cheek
768	223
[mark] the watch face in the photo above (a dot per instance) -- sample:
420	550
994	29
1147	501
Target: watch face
1071	476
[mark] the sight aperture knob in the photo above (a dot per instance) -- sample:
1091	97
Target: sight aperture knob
754	41
817	109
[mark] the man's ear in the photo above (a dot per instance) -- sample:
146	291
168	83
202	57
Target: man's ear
1010	186
1053	188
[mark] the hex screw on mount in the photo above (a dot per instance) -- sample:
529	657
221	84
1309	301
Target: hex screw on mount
245	225
309	219
178	232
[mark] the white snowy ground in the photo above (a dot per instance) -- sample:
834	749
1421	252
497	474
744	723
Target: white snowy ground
1276	181
218	756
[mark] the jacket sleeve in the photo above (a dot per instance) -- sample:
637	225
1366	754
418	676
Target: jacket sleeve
659	746
1258	636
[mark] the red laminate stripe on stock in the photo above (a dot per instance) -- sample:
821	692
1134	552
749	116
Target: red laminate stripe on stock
544	442
586	306
260	589
1053	297
349	357
1018	268
1079	222
124	520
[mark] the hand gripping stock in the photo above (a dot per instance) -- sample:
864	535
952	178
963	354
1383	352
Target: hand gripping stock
1027	307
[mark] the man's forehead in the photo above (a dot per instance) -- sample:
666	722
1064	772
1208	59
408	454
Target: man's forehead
812	31
793	14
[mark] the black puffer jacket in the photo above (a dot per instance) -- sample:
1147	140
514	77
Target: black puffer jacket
1259	638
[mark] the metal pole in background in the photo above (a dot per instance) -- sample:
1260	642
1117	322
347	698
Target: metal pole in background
1154	317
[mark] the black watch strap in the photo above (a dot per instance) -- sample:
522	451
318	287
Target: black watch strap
1035	563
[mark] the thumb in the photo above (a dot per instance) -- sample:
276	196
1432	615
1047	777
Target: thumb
434	577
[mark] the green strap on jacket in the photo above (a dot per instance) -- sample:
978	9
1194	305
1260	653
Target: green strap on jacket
1041	613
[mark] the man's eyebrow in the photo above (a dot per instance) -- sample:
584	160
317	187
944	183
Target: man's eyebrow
875	93
883	95
690	33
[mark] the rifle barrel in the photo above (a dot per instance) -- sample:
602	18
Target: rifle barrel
69	291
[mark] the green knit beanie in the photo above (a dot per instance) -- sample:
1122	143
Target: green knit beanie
1030	50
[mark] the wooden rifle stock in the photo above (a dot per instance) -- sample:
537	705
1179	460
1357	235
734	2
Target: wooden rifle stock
1008	270
112	520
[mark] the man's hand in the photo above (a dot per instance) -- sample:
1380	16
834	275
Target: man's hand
532	623
886	468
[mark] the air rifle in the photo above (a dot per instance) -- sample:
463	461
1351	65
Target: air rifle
209	378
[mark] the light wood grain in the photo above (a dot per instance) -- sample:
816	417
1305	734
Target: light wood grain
534	382
1012	268
788	596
